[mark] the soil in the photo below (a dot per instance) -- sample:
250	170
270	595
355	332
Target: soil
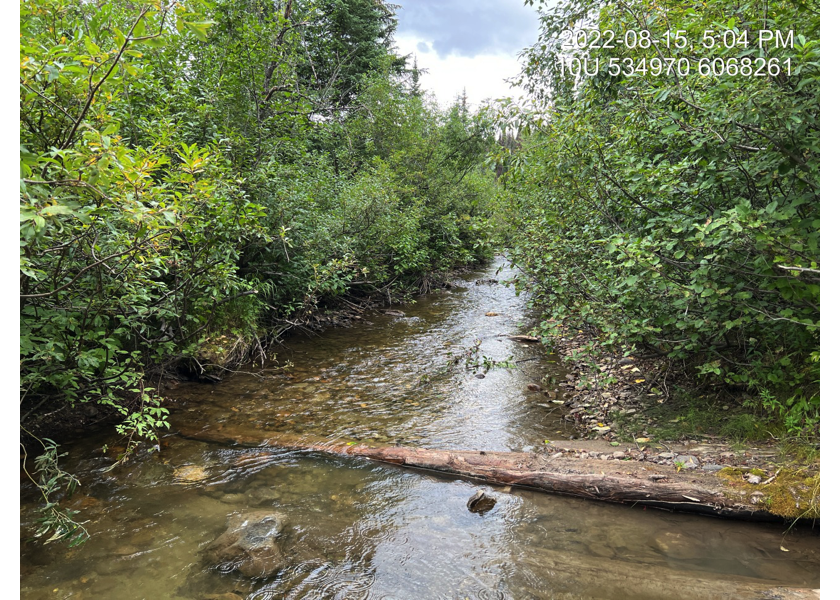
612	402
617	398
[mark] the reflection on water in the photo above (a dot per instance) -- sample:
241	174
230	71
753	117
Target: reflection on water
362	530
405	379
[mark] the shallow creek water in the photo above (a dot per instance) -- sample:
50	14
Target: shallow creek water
358	529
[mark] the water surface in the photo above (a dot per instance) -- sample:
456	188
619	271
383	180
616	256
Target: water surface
358	529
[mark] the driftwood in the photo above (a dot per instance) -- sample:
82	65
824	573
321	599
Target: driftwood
611	481
528	339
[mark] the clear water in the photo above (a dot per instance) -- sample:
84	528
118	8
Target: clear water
403	379
357	529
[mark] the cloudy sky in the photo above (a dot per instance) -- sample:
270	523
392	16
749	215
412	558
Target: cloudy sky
468	44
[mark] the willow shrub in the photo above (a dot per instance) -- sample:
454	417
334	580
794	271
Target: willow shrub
127	252
183	178
680	211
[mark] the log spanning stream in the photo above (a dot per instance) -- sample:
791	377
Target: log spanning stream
443	375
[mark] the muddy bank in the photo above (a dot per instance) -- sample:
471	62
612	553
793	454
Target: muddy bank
628	404
614	397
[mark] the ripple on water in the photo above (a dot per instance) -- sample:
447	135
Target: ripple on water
362	530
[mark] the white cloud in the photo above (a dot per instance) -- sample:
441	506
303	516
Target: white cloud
469	27
483	75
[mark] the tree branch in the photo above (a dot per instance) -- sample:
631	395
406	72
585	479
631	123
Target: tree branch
95	89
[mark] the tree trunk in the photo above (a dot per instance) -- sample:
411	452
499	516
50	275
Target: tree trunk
624	482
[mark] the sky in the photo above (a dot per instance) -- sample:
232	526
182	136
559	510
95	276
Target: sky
468	44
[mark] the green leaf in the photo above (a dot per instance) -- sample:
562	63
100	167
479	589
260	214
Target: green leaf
154	42
92	47
199	28
56	209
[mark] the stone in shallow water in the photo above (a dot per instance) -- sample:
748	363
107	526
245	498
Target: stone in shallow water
264	494
190	474
481	503
235	499
679	545
251	544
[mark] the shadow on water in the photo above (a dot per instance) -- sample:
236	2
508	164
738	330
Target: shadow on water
356	529
443	375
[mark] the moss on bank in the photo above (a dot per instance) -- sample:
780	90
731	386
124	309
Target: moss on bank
790	493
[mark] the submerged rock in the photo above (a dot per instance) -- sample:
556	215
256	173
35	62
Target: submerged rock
678	545
251	544
265	494
190	474
235	499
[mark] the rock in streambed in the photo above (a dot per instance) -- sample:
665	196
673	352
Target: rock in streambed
251	544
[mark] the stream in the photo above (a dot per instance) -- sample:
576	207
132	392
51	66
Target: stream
440	375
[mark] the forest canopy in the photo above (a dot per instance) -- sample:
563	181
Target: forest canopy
192	171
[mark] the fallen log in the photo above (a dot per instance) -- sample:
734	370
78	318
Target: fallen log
610	481
528	339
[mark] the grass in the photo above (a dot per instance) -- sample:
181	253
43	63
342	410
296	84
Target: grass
795	490
687	415
798	449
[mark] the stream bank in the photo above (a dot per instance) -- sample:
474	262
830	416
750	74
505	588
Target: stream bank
224	353
359	529
612	401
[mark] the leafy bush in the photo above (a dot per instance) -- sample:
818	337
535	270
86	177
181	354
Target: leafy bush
184	175
678	211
